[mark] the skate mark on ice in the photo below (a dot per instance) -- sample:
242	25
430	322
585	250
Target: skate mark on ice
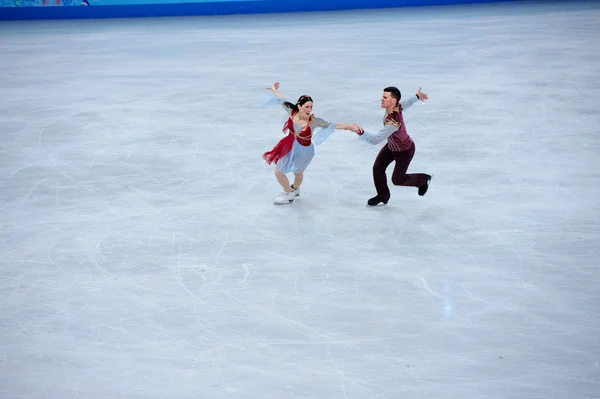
179	279
206	351
427	288
478	299
351	380
452	247
41	135
306	308
221	251
245	266
30	192
93	161
339	371
52	260
99	252
54	168
20	169
152	237
340	187
56	187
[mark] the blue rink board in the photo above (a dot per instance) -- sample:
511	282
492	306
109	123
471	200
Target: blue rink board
151	8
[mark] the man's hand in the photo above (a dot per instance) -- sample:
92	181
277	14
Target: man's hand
356	129
421	96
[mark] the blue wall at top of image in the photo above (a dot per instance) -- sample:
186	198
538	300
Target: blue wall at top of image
65	9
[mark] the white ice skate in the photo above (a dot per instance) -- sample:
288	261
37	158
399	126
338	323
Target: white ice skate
285	198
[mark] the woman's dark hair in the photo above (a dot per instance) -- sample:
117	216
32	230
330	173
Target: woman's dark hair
301	101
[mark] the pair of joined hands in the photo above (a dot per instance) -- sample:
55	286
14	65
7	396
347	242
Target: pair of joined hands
356	129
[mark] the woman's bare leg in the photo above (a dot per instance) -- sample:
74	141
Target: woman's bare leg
298	178
283	180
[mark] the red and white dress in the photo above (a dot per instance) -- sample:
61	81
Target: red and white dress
294	152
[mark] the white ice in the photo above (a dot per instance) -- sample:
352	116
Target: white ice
141	255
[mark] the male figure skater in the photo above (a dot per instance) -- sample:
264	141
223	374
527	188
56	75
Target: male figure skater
399	147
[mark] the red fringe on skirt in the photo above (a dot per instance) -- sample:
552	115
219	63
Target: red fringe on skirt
280	150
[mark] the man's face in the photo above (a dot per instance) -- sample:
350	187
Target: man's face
387	101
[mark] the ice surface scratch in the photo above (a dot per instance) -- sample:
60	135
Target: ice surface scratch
152	237
180	280
31	191
426	286
41	134
93	161
339	371
245	266
222	249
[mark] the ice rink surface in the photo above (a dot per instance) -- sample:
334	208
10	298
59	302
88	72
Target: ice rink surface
142	255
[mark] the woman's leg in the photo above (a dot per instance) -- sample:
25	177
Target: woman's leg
283	181
298	178
303	159
288	196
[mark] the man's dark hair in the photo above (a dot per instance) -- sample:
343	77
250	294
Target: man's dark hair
395	93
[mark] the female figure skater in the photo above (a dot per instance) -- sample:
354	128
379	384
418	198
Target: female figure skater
294	152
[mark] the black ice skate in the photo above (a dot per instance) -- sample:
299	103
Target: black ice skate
375	201
423	189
